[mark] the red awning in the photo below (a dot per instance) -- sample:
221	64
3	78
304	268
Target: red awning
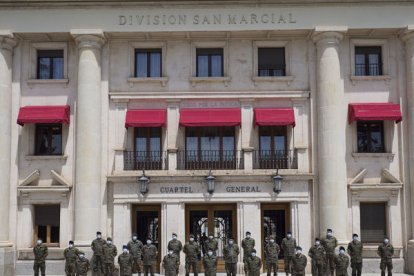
274	117
374	112
210	117
145	118
44	114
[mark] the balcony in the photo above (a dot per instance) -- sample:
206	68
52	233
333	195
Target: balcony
280	159
145	160
210	160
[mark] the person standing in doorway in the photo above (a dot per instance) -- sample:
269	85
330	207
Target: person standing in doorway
288	246
272	251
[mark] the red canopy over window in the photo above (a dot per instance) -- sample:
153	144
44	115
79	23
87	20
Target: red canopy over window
210	117
274	117
374	112
44	114
145	118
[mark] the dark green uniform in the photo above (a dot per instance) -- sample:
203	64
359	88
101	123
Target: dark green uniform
330	243
254	265
110	253
271	251
248	246
299	262
210	265
318	255
82	266
341	265
135	249
288	246
191	251
211	244
355	251
230	254
71	255
125	261
149	254
40	254
170	263
97	257
385	251
176	246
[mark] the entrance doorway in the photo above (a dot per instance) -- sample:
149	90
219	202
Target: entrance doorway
275	222
147	224
218	219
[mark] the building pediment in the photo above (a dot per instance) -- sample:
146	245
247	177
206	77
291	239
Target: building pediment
30	184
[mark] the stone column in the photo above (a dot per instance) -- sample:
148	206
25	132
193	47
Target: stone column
88	202
331	120
246	132
7	43
173	118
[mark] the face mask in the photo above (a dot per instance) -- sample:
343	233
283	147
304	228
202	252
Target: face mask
210	237
317	243
289	236
341	251
125	250
253	254
70	245
98	236
134	238
210	253
39	242
230	242
298	252
81	256
109	242
386	241
271	241
149	242
248	236
170	252
356	239
329	234
191	239
174	237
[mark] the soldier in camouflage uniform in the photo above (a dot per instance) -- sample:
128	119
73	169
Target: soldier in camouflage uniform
385	251
318	255
170	263
254	264
82	265
71	255
110	253
341	263
230	253
125	261
299	262
288	246
176	246
330	243
40	254
248	244
355	251
210	263
191	251
271	251
97	257
149	254
135	248
211	243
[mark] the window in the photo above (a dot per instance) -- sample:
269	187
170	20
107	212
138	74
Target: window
47	224
48	140
370	136
271	62
148	63
273	145
373	222
368	61
148	153
209	62
50	64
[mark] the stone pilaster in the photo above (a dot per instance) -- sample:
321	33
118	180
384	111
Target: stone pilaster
330	109
88	136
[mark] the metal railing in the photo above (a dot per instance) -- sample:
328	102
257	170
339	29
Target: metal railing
368	69
145	160
279	159
274	72
210	159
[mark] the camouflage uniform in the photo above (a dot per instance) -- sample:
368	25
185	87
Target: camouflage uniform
254	265
230	254
385	251
318	255
149	254
125	261
272	255
210	265
97	258
211	244
82	266
176	246
135	249
341	265
170	264
40	254
248	246
355	251
110	253
288	246
71	255
299	262
191	251
330	243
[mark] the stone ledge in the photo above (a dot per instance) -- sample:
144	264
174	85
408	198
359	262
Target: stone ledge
388	155
46	157
162	80
287	79
195	80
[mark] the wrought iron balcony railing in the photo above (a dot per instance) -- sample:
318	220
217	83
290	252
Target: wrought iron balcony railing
145	160
210	159
276	159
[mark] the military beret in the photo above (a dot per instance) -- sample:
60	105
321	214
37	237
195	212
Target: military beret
248	233
134	234
341	248
98	233
70	242
174	234
317	239
109	239
298	248
329	230
231	239
289	232
124	247
354	235
191	236
254	251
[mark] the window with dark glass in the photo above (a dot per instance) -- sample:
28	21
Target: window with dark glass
50	64
148	147
47	224
368	61
273	145
370	136
210	62
148	63
48	139
271	62
373	221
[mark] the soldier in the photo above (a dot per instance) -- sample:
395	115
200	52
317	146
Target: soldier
254	264
125	261
299	262
248	246
330	243
211	243
191	251
71	255
272	255
288	246
149	254
110	253
210	263
97	248
318	255
40	254
135	248
170	263
341	263
355	251
385	251
230	254
176	246
82	265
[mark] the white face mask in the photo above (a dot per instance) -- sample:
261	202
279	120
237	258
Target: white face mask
174	237
289	236
341	251
134	238
109	242
248	236
170	252
210	237
231	242
356	239
329	234
70	245
209	253
317	243
98	236
39	242
298	251
191	239
253	254
149	242
125	250
386	241
271	241
81	256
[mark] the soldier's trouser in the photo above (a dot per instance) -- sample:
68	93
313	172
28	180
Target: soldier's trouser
169	272
271	266
386	265
330	263
288	264
188	266
109	269
210	273
246	267
231	269
97	264
41	266
356	269
297	273
317	269
149	269
136	265
70	268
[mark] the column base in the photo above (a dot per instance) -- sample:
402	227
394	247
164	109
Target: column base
7	260
410	257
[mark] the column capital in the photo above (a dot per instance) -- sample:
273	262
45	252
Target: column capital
328	35
7	40
86	38
407	34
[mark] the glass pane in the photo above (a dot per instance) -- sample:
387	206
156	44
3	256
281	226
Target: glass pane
58	68
44	68
42	140
265	142
199	227
141	65
376	137
374	64
362	138
216	66
56	143
359	65
210	144
202	66
191	144
54	234
280	144
41	232
155	59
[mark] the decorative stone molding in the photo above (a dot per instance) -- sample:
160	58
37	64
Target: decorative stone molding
30	178
385	78
162	80
287	79
46	157
195	80
358	155
7	40
88	38
328	35
25	189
